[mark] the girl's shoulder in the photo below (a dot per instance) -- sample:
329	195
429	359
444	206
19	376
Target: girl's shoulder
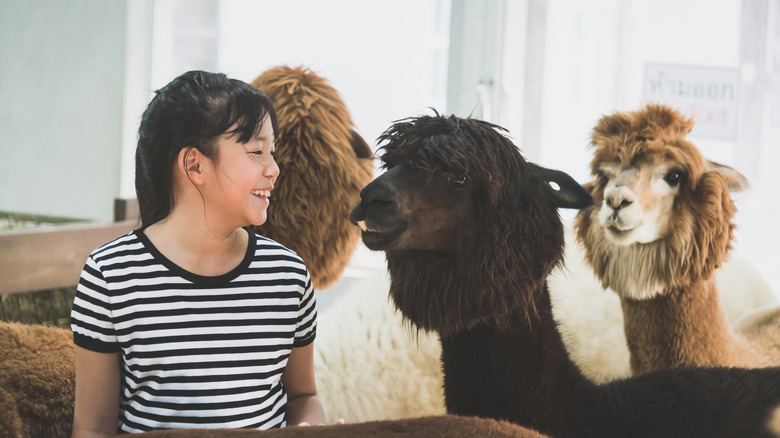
262	242
119	245
266	244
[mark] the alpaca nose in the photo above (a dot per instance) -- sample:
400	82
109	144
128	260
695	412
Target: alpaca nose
377	192
375	198
618	199
617	204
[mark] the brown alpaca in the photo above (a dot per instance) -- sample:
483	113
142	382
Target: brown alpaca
323	164
660	227
450	426
470	231
37	381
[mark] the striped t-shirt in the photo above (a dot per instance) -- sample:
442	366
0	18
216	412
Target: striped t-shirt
197	352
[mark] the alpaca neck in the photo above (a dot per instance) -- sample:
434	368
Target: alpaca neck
520	373
681	327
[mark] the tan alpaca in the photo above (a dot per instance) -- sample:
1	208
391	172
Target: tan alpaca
324	163
660	226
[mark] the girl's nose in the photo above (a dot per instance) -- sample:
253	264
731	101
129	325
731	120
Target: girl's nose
272	169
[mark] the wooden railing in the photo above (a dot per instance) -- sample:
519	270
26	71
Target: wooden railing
52	257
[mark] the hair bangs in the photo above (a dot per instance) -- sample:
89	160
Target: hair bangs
245	113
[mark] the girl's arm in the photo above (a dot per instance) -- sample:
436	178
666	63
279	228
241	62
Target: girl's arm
97	394
303	405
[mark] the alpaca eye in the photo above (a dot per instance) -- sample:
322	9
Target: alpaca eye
457	180
673	178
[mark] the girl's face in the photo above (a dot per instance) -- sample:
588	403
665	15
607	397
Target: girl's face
244	177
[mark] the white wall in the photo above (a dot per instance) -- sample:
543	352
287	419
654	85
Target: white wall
595	58
595	55
61	76
387	59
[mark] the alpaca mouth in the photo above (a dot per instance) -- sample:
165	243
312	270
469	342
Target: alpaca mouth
379	237
364	227
618	233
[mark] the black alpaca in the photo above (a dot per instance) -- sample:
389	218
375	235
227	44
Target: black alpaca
471	231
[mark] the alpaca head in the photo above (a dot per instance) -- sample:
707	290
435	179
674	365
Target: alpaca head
469	228
663	213
323	165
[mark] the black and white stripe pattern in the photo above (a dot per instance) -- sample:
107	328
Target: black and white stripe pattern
198	352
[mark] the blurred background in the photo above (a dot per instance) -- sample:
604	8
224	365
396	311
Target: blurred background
75	77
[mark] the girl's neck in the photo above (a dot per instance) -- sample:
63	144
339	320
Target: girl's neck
195	246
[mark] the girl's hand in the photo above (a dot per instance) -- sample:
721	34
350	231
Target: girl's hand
304	424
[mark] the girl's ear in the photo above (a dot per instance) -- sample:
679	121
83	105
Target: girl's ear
189	164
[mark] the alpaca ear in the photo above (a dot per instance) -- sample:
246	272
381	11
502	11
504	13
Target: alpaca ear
563	189
359	145
736	181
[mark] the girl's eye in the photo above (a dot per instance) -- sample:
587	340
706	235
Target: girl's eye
259	152
457	180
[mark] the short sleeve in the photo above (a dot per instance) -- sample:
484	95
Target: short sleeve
91	316
306	327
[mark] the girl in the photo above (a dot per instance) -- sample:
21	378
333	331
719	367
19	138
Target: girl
192	321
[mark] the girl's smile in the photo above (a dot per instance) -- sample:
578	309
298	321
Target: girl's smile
262	193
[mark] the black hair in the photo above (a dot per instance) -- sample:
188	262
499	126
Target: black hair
193	110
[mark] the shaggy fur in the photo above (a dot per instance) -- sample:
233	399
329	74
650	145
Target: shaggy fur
657	135
470	231
672	312
431	226
37	381
323	164
445	426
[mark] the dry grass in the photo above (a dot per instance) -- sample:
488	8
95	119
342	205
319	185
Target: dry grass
47	307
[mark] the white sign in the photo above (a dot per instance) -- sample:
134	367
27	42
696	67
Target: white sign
709	95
